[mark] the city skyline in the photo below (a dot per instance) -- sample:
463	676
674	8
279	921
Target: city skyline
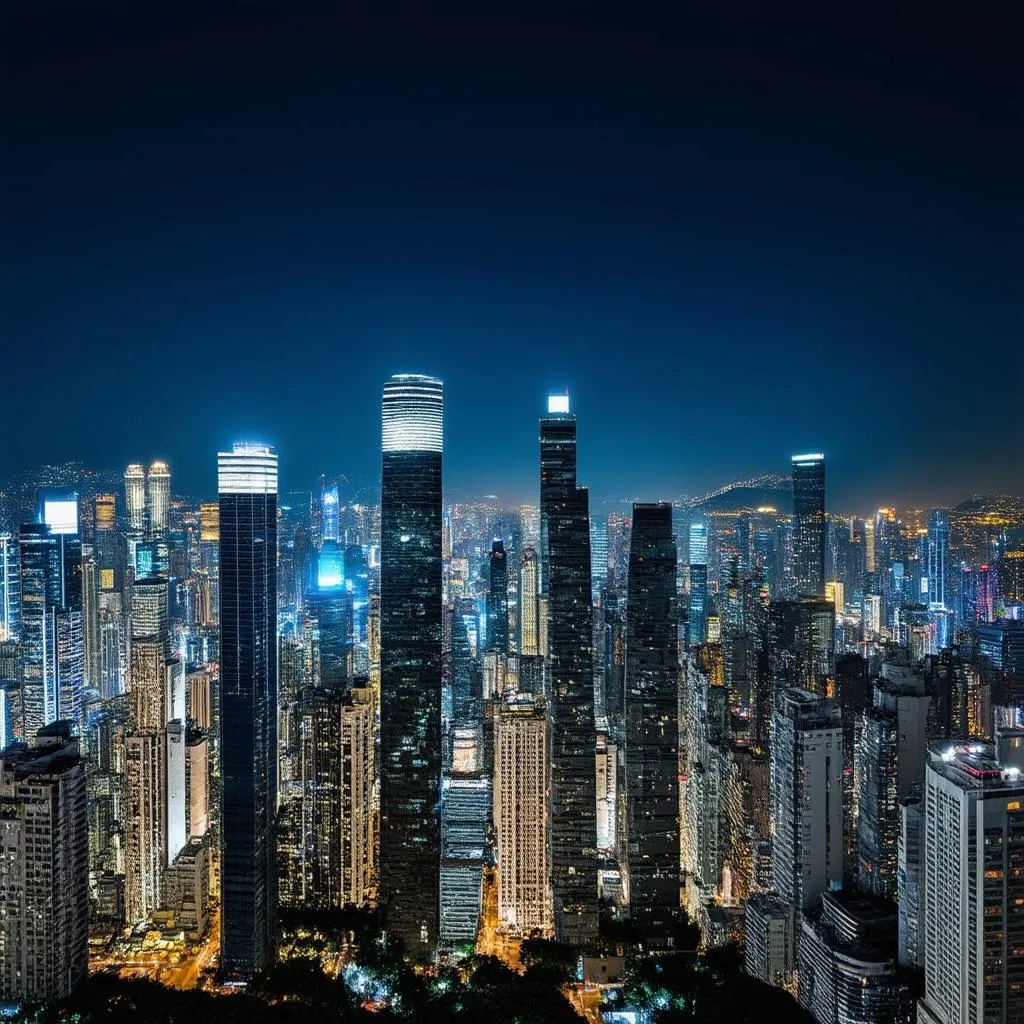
512	516
713	229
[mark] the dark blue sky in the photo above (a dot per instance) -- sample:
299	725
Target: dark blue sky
731	234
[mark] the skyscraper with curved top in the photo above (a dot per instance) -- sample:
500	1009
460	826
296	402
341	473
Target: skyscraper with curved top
247	482
135	498
410	640
158	489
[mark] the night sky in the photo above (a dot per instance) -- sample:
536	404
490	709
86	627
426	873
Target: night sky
730	234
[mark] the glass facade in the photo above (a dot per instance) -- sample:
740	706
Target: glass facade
565	542
410	637
652	725
809	524
247	479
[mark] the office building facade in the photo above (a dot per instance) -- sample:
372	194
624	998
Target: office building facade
410	658
247	486
652	726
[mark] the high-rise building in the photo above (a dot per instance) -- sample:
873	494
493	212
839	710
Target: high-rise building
10	588
247	484
807	798
337	772
51	627
135	499
465	816
845	963
698	606
557	471
410	655
565	540
768	933
878	808
801	643
91	623
938	551
809	524
529	627
145	783
158	492
521	816
44	869
972	910
652	726
497	598
908	884
148	658
598	557
330	512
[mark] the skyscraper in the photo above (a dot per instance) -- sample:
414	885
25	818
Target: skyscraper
497	599
158	488
337	771
652	726
247	484
972	902
53	645
410	654
44	868
598	557
529	627
135	499
698	609
807	798
809	524
878	823
565	539
521	816
557	471
938	550
10	588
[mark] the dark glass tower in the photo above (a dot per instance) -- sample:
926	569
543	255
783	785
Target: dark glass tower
410	642
51	627
247	482
652	726
497	599
565	537
809	524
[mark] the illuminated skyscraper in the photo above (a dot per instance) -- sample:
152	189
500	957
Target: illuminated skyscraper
529	627
135	499
972	902
330	514
331	604
145	784
521	821
938	550
51	627
247	483
557	471
497	599
565	537
598	557
10	588
878	807
652	727
158	487
44	869
809	524
698	610
410	653
337	772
